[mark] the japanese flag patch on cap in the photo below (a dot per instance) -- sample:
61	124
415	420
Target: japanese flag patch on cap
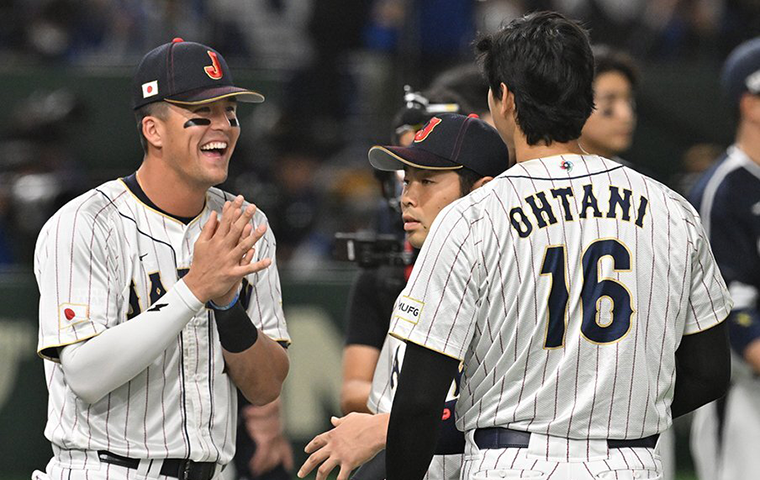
150	88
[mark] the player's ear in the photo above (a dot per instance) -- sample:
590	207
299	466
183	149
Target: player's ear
152	131
749	107
480	182
505	100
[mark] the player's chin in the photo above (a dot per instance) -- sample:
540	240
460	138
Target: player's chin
216	175
416	238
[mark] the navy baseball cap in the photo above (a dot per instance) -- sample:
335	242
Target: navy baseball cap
741	71
448	141
185	73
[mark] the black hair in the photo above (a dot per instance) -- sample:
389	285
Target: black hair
467	179
467	81
155	109
545	60
607	59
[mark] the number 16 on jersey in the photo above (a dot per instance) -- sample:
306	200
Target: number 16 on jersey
592	293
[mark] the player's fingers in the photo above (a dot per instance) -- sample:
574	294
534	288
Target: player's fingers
246	258
327	466
253	267
245	217
316	443
224	219
230	214
246	243
345	471
336	421
314	459
209	228
238	220
256	234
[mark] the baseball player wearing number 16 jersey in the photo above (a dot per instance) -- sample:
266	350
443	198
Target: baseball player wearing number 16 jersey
158	299
581	296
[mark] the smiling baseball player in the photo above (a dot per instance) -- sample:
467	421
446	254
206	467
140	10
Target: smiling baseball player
158	293
581	296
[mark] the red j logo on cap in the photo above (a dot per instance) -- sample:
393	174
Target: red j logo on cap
214	70
423	134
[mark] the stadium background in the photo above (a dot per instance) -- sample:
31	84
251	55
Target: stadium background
333	74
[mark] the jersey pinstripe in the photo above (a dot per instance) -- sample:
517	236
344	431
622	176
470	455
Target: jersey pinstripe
99	261
565	285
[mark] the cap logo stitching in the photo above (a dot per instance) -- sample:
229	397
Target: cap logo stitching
150	89
214	71
423	134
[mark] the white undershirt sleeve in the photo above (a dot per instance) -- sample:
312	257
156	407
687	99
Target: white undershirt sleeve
93	370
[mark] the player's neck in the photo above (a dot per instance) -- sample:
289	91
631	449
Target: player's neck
748	140
525	152
169	193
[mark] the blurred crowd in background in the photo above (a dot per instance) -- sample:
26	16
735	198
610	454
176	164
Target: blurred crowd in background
340	67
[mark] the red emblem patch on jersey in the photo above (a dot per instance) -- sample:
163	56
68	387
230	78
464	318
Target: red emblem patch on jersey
214	70
70	314
423	134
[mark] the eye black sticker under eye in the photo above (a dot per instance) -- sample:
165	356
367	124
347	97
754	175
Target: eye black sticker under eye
234	122
197	122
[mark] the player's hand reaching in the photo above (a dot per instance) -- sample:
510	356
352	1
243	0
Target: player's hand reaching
224	252
356	439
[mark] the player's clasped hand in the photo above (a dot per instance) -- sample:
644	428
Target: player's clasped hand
353	442
224	252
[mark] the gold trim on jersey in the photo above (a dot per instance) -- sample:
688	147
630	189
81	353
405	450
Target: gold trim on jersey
58	360
708	328
196	218
396	335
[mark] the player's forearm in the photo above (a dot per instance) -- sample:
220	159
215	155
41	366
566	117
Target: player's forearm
259	371
354	395
263	422
91	368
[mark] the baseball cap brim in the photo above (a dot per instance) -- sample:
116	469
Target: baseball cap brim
207	95
396	158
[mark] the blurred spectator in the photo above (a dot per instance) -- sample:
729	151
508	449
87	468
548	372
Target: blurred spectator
609	130
697	160
38	168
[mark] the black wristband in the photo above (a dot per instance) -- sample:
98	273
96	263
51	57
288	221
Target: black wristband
236	332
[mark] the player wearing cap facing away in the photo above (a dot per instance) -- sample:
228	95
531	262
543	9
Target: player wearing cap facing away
451	156
158	293
581	296
726	433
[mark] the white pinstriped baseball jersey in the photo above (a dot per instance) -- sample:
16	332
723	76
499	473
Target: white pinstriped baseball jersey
122	256
565	285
